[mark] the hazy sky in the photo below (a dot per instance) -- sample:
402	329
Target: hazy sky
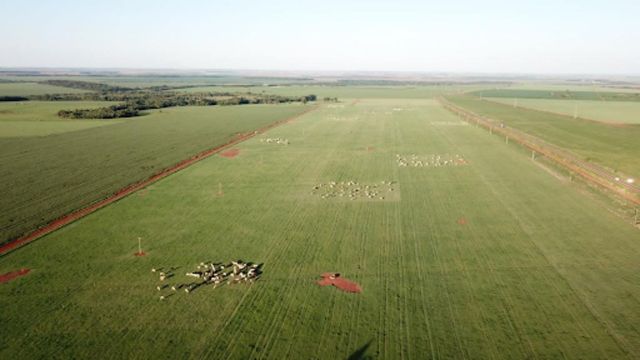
543	36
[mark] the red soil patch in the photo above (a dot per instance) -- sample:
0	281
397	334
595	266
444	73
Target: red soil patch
462	221
370	148
127	190
140	253
12	275
230	153
339	282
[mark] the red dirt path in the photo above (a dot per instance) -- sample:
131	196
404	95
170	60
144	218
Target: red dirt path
75	215
339	282
230	153
12	275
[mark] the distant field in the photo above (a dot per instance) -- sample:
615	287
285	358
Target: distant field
491	259
39	118
347	92
559	95
550	86
615	147
606	111
24	89
16	129
151	80
42	110
44	177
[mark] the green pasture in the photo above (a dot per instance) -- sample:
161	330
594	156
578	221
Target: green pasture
616	147
18	129
559	94
616	112
147	80
493	259
346	92
33	88
571	86
40	118
20	111
45	177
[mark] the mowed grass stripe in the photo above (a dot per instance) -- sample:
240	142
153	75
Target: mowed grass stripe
292	166
498	279
533	239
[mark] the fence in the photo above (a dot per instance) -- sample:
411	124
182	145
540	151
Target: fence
593	173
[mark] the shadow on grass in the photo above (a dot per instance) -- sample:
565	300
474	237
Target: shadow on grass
360	354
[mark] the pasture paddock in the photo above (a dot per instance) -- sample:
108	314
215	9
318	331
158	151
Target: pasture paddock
611	112
33	88
495	259
615	147
49	176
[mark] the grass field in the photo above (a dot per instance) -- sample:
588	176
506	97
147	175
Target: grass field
559	94
27	88
146	80
45	177
536	269
40	118
607	111
347	92
43	110
552	86
18	129
616	147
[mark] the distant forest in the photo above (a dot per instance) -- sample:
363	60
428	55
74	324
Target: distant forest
132	101
136	102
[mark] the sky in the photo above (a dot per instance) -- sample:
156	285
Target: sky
488	36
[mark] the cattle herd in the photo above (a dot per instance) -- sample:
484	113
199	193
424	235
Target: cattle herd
209	273
278	141
353	190
434	160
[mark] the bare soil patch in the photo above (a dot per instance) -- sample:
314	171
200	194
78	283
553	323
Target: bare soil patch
341	283
12	275
230	153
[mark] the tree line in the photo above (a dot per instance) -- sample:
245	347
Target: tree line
132	101
87	85
135	103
